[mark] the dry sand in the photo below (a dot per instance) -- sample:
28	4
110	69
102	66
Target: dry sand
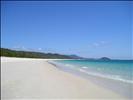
24	78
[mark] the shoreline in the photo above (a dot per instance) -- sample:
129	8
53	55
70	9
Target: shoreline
36	78
120	87
90	74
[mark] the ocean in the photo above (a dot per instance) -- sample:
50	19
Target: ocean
120	70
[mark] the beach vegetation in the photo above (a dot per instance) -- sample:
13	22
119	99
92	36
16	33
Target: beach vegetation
31	54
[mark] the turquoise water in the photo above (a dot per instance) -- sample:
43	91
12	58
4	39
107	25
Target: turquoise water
121	70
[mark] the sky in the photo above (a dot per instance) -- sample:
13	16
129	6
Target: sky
90	29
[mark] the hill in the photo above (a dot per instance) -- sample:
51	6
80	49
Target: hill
76	57
105	58
29	54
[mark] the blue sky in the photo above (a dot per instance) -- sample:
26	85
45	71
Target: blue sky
88	29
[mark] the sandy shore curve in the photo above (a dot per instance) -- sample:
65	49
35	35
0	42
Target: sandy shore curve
25	78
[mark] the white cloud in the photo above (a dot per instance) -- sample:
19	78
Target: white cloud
19	48
98	44
40	49
23	48
103	42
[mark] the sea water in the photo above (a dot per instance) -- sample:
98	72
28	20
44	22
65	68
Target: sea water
120	70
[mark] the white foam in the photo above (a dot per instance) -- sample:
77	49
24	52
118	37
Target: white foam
84	67
114	77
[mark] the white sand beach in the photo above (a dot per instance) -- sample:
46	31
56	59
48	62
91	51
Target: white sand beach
25	78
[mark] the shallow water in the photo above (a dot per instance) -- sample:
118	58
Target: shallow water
121	70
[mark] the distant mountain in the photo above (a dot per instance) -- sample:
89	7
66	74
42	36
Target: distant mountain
76	57
105	58
30	54
102	59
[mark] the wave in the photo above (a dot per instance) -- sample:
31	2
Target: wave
114	77
85	70
84	67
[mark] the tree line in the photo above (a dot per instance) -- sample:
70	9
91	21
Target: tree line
29	54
